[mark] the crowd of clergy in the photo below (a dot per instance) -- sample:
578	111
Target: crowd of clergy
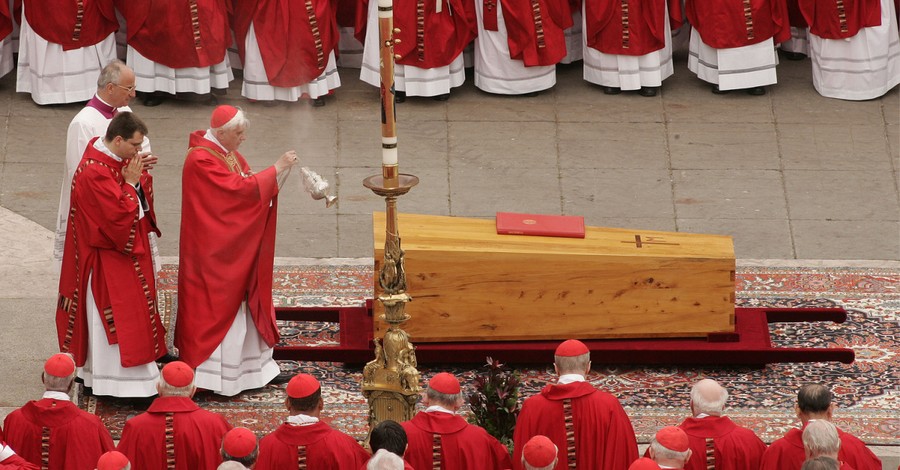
290	50
569	424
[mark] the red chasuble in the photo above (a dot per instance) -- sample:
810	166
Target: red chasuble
535	28
723	24
603	435
73	24
629	27
788	453
462	445
735	447
295	38
6	24
840	19
175	34
227	249
429	39
106	241
322	447
76	438
196	435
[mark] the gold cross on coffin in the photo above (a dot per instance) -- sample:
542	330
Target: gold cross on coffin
639	242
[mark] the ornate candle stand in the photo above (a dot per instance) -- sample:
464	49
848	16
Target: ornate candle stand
391	380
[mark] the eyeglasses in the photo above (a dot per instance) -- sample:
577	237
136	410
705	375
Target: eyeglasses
129	89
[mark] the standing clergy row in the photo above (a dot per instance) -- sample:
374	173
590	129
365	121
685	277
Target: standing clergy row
176	47
288	49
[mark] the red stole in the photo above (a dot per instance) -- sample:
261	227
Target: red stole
840	19
227	249
106	241
430	39
295	37
73	24
178	33
725	24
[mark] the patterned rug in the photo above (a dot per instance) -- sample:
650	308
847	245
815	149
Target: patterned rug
867	392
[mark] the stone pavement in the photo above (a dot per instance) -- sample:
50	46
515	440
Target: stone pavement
791	175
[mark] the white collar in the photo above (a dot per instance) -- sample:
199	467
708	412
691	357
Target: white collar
438	409
212	138
100	145
57	396
302	420
570	378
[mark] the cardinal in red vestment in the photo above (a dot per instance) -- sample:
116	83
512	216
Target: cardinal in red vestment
463	445
735	447
305	436
174	432
590	427
53	433
226	320
814	402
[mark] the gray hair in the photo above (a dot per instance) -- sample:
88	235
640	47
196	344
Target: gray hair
662	452
703	402
384	459
239	120
821	463
821	438
111	73
53	383
447	399
572	364
231	465
531	467
166	390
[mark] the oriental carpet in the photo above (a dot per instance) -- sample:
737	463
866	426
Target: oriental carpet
867	392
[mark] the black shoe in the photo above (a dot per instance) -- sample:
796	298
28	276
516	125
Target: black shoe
281	378
718	91
152	100
210	100
317	102
793	55
649	91
611	90
399	96
531	95
167	359
444	97
756	91
87	391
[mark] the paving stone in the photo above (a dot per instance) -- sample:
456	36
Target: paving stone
847	239
833	147
618	193
613	145
753	238
500	145
307	236
723	146
721	194
484	193
836	195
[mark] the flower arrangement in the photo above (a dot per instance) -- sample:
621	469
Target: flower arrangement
495	401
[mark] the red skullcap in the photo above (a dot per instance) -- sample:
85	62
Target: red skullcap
59	365
239	442
539	451
222	115
112	460
444	383
644	463
178	374
302	386
571	348
673	438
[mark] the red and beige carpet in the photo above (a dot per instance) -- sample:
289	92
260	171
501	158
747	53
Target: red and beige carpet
867	392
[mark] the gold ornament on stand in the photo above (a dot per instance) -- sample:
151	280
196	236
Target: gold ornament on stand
391	380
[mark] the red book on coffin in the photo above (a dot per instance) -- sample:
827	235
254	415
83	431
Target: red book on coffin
542	225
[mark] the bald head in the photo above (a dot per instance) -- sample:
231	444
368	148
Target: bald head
708	397
820	438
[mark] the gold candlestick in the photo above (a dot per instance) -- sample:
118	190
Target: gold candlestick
391	380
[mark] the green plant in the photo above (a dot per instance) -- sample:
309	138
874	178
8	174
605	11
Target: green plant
495	401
